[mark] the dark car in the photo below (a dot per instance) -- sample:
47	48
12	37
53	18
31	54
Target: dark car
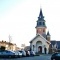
32	53
6	54
27	53
55	56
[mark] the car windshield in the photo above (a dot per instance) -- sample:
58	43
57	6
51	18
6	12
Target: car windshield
20	51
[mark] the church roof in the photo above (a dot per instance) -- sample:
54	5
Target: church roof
55	42
41	37
58	44
34	38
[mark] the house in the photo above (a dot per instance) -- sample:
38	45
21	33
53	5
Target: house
7	45
55	46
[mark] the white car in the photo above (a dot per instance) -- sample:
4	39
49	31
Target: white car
23	53
20	54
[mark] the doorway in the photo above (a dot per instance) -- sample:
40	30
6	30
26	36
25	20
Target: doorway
40	49
2	48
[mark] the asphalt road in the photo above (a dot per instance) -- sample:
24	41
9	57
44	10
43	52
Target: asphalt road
37	58
43	57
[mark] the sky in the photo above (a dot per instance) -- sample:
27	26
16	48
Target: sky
18	19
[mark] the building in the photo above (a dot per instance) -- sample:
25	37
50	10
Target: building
55	46
27	48
18	48
7	45
41	42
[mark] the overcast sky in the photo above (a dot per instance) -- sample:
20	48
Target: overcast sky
18	18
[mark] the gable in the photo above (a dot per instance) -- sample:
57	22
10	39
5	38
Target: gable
39	38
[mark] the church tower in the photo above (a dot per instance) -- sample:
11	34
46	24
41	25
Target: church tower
41	42
41	26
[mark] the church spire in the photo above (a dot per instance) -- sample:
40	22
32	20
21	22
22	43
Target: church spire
48	36
48	33
41	21
41	14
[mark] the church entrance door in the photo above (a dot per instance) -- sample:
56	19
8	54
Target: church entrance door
40	49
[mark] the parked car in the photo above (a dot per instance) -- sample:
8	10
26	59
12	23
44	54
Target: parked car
32	53
55	56
18	54
27	53
23	53
7	54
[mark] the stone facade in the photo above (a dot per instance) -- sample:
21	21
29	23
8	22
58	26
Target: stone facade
40	44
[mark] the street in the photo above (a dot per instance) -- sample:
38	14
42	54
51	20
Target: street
37	58
42	57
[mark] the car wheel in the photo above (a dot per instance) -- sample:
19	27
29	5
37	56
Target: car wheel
53	59
20	56
15	56
9	56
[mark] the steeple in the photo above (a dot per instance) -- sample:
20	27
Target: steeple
40	14
48	34
41	21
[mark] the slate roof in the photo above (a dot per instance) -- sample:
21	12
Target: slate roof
58	43
55	42
41	21
41	14
48	33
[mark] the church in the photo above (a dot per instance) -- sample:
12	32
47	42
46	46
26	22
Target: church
41	42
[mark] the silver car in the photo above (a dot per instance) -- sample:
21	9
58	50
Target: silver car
23	53
18	54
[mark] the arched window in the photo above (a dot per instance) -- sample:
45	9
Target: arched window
40	23
39	42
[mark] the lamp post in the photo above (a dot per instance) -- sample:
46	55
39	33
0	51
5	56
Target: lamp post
10	38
